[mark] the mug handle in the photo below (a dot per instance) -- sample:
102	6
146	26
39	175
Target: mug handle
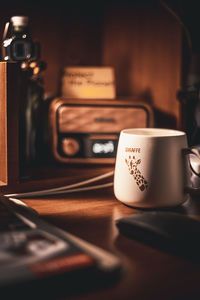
191	190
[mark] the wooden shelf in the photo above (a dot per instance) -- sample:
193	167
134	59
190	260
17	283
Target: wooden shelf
139	39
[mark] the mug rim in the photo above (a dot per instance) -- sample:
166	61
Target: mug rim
157	132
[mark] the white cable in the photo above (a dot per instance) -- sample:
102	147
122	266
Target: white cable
87	188
50	191
22	204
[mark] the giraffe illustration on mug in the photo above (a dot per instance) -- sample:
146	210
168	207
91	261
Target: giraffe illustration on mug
132	164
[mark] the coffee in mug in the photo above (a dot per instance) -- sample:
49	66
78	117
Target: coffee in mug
152	167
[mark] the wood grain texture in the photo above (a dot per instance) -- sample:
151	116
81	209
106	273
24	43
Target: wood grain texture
140	39
3	125
143	44
148	273
80	116
9	97
13	97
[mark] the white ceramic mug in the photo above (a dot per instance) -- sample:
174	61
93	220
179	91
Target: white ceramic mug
152	168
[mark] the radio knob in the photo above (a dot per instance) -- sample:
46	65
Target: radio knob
70	146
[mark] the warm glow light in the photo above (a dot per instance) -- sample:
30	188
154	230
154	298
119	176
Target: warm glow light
89	82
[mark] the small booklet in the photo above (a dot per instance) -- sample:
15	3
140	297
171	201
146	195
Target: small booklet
45	260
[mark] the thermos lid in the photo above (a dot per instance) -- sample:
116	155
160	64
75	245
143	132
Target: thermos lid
19	20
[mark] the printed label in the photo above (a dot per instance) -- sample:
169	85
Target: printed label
132	164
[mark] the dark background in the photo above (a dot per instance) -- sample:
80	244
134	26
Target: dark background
149	43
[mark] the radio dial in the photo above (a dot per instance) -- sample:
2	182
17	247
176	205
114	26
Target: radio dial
70	146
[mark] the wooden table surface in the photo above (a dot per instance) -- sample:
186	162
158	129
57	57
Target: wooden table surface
148	272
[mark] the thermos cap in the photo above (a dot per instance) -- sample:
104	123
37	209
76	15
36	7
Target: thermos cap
19	20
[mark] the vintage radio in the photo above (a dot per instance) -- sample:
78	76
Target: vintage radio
87	131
